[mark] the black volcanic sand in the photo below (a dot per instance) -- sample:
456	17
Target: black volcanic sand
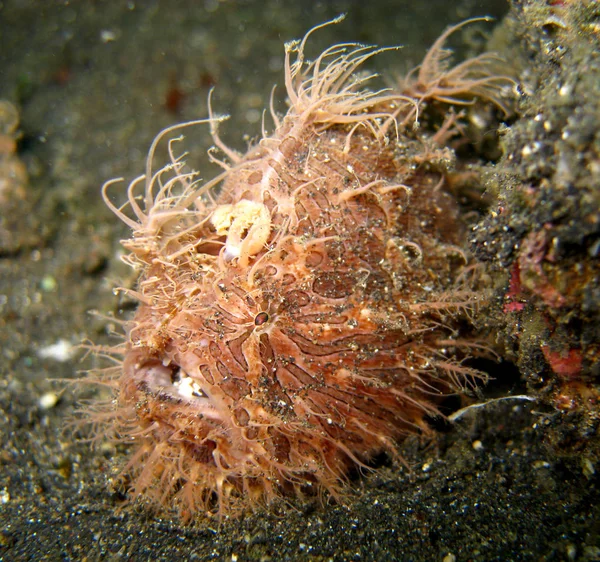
94	82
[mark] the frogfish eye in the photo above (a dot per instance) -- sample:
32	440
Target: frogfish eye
261	318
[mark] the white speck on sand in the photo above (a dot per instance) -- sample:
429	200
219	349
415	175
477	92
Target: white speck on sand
61	351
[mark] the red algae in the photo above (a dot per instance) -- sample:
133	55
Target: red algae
306	309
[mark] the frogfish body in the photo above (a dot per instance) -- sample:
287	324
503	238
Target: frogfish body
305	310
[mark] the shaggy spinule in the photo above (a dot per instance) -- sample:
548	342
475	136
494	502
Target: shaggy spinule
301	312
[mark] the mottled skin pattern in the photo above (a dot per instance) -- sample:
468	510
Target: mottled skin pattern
281	340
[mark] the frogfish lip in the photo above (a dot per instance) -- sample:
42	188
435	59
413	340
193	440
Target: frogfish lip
171	384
